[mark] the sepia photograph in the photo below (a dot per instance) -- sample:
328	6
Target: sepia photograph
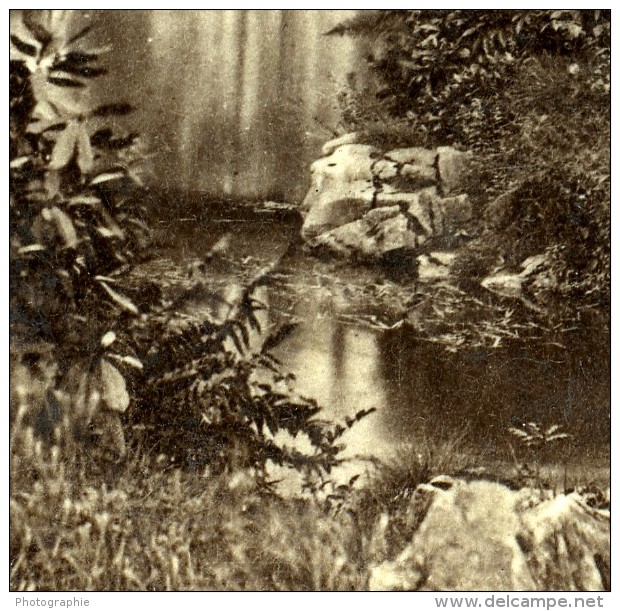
310	300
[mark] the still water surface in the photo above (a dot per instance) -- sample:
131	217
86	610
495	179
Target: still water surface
424	395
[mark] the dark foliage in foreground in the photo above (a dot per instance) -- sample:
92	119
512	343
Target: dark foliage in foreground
93	349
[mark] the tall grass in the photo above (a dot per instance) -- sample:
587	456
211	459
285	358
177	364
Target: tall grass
383	507
80	521
84	522
148	526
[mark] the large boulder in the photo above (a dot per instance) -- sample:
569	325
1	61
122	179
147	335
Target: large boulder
378	232
342	189
367	204
401	222
483	536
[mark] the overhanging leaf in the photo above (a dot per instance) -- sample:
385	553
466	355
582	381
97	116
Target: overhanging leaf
24	250
122	301
103	139
113	387
108	339
128	360
64	82
64	226
106	177
85	200
64	148
80	34
85	157
18	162
83	71
106	232
105	279
112	226
79	57
24	47
107	110
276	338
36	29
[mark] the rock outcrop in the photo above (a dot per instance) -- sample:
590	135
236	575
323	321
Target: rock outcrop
534	279
342	189
484	536
366	204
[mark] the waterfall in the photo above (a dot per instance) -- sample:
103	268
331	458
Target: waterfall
233	102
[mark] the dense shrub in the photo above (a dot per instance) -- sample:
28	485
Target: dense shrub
440	71
74	230
528	92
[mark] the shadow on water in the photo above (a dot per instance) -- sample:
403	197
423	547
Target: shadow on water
421	390
483	392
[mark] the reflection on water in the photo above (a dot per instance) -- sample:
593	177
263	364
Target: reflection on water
422	391
339	365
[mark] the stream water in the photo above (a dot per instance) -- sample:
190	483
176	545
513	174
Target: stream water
347	355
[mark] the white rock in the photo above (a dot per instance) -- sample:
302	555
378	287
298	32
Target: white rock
352	181
380	231
384	170
482	536
331	145
342	189
413	155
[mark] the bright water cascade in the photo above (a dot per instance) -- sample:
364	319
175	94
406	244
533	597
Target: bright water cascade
232	102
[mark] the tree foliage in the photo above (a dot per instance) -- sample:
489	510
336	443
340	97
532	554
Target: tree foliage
97	350
435	68
74	228
528	92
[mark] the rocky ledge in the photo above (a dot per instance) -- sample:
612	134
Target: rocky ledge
407	209
371	205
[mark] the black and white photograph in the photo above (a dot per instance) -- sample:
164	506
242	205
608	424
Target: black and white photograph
310	300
